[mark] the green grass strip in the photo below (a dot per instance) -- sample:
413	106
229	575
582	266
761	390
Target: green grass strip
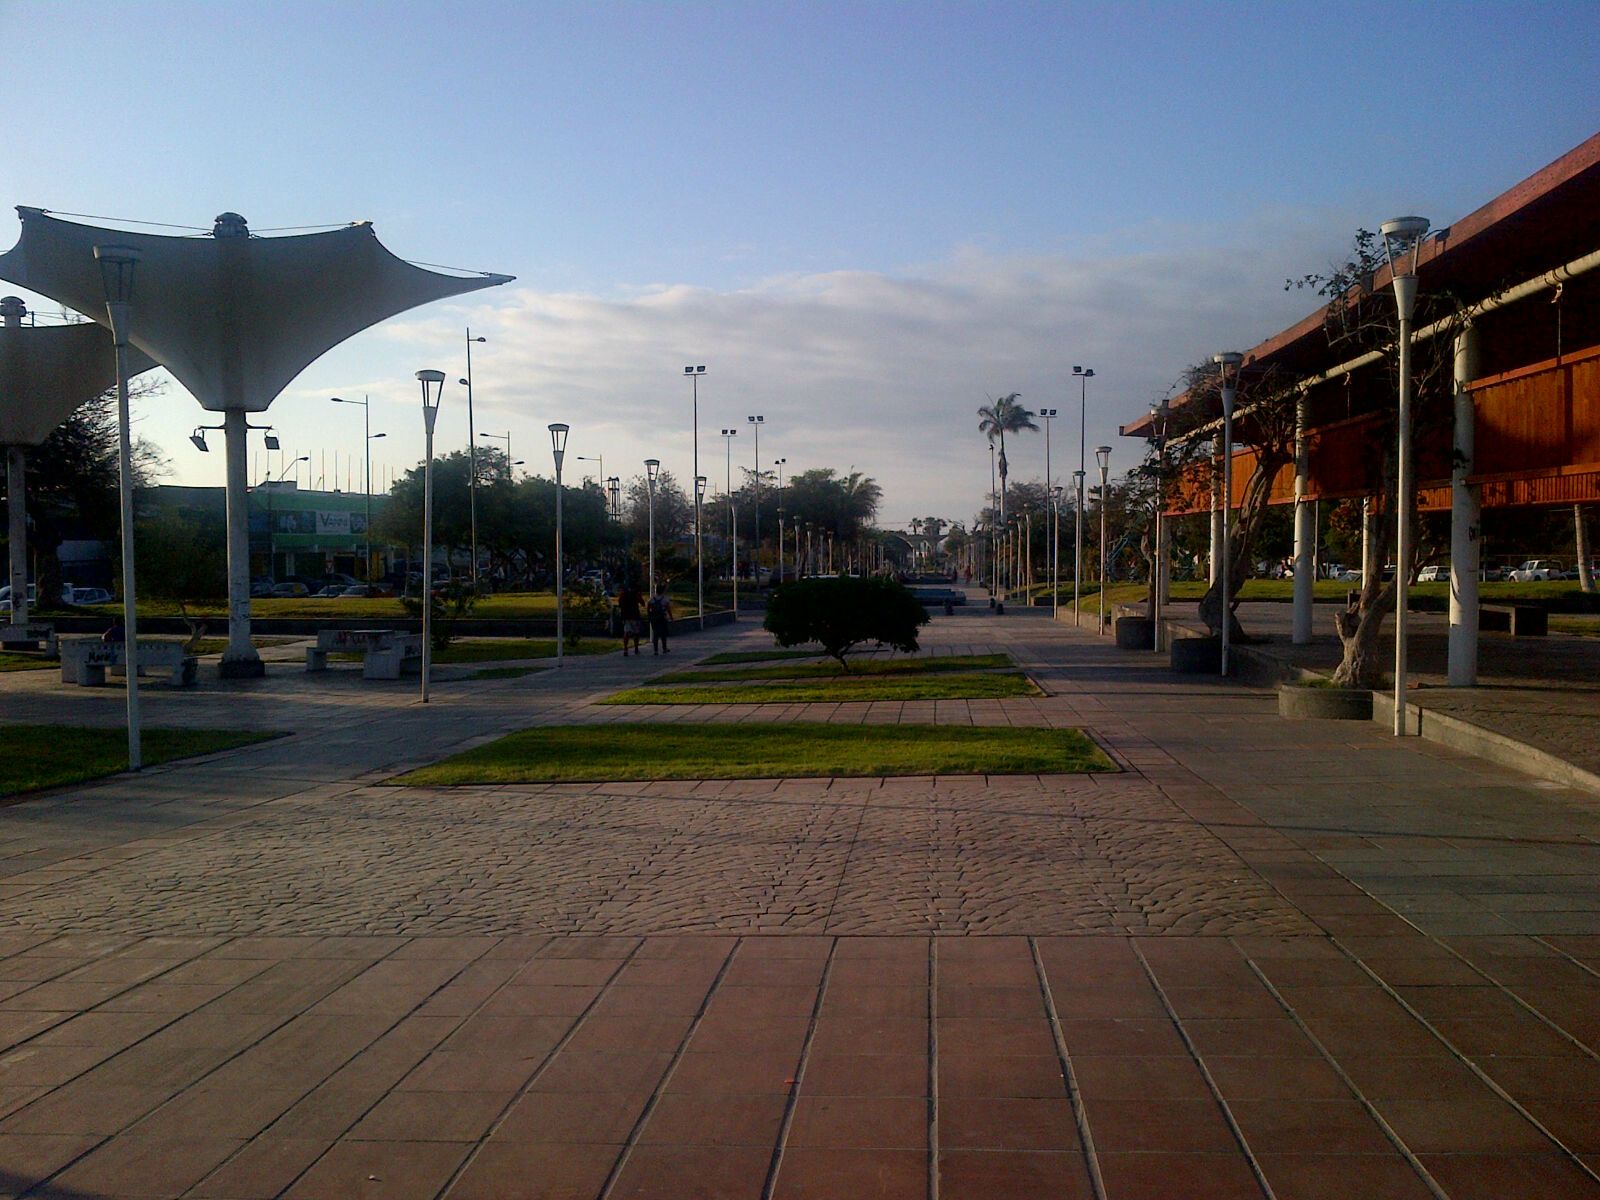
45	756
746	656
831	670
801	750
25	662
843	688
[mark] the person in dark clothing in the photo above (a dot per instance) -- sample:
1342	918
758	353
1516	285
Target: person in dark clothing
630	607
660	613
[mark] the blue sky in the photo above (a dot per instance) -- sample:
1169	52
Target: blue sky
864	218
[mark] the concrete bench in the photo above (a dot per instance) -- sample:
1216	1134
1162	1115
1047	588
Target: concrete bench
385	653
86	660
32	636
1519	620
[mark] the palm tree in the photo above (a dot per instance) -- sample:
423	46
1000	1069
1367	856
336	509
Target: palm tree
996	420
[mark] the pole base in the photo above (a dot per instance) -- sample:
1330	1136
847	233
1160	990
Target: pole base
241	667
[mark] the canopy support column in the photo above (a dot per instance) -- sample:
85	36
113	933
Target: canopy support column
17	522
1214	568
239	660
1304	531
1466	546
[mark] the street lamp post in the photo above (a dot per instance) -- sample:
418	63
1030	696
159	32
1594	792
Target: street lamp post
755	566
694	374
1055	562
1103	454
506	438
366	421
779	463
271	485
1230	390
598	459
994	533
1158	556
652	468
614	496
558	447
472	461
117	265
1402	239
733	525
1049	415
1084	374
432	390
699	499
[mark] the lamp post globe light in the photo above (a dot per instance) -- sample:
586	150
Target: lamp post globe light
432	390
1048	415
652	468
1083	374
472	460
1228	359
779	463
117	264
755	562
1402	242
558	448
694	374
733	525
1103	455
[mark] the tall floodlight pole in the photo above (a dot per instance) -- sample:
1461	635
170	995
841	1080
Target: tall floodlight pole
779	462
755	567
1103	454
432	389
1049	415
1055	560
1230	390
1084	374
558	448
472	461
117	264
1402	239
652	468
366	421
1158	556
694	374
733	524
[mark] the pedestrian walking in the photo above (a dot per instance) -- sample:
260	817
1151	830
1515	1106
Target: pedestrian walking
660	614
630	606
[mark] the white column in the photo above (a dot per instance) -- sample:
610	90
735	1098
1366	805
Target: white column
239	660
1304	533
1215	564
17	523
1465	516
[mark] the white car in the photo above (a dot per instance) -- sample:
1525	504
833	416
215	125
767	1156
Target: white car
1434	574
1538	569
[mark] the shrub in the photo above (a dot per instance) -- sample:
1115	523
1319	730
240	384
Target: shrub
450	602
840	614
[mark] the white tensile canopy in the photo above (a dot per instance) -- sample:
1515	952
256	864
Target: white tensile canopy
47	372
234	318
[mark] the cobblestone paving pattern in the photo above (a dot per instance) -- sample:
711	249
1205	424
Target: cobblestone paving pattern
1268	959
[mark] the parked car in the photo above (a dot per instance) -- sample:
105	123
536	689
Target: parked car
1540	570
86	595
1434	574
5	599
365	591
330	592
261	586
290	591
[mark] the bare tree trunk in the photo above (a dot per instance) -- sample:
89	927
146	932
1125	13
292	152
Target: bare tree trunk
1359	628
1581	531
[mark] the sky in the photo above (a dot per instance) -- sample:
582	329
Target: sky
864	219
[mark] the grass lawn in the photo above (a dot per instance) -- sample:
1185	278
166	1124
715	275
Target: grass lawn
761	751
840	688
43	756
746	656
1580	626
470	650
831	670
24	662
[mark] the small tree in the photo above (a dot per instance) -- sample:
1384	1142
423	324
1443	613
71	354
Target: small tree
842	613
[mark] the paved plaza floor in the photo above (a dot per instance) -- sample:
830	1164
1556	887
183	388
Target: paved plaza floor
1299	960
